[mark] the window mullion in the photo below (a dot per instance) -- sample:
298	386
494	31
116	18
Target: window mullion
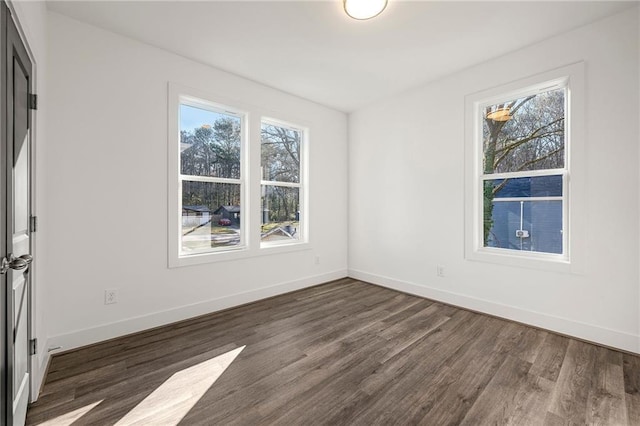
277	183
530	173
528	199
191	178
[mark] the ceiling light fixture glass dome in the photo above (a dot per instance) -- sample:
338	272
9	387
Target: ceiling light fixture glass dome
364	9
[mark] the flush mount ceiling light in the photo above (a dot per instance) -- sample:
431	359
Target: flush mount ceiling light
364	9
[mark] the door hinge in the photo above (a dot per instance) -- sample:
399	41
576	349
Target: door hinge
33	101
33	224
33	346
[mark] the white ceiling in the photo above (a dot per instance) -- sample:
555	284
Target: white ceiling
313	50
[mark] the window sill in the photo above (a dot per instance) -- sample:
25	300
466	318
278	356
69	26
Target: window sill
237	254
275	248
538	261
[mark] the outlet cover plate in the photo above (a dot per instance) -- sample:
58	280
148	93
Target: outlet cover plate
110	296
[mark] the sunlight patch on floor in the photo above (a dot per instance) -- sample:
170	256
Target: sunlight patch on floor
68	418
172	400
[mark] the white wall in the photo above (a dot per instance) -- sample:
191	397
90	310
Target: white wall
107	158
406	174
31	19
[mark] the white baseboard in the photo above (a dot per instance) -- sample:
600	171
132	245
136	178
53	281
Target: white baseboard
592	333
103	332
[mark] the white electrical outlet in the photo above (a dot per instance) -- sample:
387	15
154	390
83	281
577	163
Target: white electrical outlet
440	271
110	296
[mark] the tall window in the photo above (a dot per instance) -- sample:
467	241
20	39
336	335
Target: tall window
524	171
281	183
211	186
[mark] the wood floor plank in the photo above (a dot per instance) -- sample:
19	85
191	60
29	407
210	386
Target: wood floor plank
570	395
633	408
607	401
551	419
631	374
342	353
513	396
519	341
550	357
631	371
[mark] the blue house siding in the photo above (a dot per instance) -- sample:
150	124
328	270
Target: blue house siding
541	219
541	186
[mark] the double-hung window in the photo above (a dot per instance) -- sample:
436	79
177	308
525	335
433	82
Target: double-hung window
211	177
523	172
521	201
281	183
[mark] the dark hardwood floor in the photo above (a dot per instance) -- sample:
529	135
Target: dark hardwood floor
343	353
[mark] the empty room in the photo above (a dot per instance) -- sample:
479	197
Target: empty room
337	212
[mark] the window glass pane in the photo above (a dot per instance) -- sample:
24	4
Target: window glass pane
209	143
524	225
541	186
280	153
210	215
280	213
525	133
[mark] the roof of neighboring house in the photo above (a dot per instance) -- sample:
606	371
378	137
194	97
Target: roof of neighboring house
230	209
202	209
276	233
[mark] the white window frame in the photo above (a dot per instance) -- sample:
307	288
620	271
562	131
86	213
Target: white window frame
250	217
301	185
571	78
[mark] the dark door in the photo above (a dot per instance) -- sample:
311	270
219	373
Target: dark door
15	121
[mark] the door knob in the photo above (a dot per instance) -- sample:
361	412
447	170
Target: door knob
15	263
